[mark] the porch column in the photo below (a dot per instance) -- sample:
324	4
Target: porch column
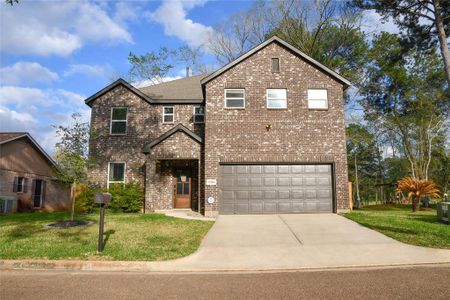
150	189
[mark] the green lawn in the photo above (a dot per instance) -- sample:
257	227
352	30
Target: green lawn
127	236
399	222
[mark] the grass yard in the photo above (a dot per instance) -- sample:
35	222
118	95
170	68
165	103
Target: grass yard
399	222
127	237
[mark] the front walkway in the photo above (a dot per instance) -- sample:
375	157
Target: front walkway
277	242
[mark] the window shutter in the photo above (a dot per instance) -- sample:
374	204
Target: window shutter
33	188
15	184
43	193
25	185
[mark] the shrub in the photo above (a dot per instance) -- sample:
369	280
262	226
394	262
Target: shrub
84	199
126	198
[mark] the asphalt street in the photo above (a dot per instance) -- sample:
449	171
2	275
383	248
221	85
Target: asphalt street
418	282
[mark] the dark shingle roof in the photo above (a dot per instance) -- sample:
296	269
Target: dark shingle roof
9	135
188	88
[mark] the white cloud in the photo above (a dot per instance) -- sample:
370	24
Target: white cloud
56	27
89	70
35	111
26	72
31	98
373	23
172	14
11	117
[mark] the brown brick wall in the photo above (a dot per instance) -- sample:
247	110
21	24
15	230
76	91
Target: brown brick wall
144	125
297	134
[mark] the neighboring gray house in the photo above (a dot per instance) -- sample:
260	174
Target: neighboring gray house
263	134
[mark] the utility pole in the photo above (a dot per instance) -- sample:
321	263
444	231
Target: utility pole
358	199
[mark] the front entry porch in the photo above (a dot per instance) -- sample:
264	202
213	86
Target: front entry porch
174	184
172	171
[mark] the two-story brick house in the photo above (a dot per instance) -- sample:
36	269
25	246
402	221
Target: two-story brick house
263	134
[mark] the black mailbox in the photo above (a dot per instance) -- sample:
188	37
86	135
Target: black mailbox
102	198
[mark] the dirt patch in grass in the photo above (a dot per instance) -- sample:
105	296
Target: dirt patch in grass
68	224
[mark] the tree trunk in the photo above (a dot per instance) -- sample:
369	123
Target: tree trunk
416	203
439	23
72	212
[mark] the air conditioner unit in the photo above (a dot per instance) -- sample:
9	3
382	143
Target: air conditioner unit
8	205
443	212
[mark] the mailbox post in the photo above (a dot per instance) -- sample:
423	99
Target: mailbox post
101	198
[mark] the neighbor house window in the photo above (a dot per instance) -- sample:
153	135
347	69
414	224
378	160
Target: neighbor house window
168	114
276	98
317	99
20	185
199	114
119	120
275	65
235	98
116	173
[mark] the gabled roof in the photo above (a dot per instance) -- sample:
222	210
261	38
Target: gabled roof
6	137
113	85
186	89
288	46
9	135
167	134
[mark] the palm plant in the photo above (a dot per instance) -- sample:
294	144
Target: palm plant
417	188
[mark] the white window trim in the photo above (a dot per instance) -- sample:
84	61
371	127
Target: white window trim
194	114
124	173
225	98
111	121
267	99
21	186
326	100
172	114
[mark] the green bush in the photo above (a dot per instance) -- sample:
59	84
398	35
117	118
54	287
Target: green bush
126	198
84	202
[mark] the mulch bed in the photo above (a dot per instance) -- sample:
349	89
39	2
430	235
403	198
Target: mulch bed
68	224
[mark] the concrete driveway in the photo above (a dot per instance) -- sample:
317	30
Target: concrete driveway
262	242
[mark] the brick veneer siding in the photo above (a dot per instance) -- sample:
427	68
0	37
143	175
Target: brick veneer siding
144	125
159	184
297	134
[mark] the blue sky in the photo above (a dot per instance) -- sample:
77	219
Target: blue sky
55	54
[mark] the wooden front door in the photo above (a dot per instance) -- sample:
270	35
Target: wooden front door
182	190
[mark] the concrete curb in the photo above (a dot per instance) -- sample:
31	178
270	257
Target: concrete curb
156	267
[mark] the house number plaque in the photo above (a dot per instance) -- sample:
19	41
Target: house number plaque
211	181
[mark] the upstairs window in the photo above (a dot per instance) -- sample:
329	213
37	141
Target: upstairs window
119	120
116	173
168	114
317	99
199	114
275	65
235	98
276	98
